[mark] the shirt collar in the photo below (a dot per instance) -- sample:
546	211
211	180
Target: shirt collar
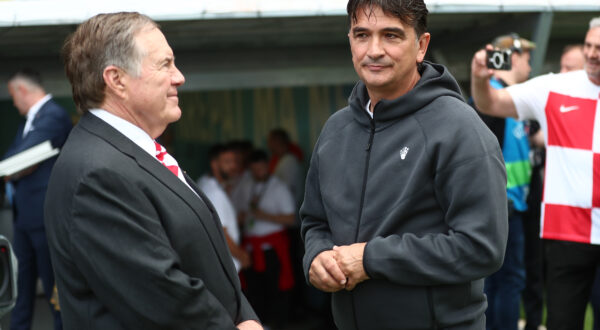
131	131
37	106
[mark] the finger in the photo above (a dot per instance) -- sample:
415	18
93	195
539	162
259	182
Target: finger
334	271
350	285
321	278
324	286
480	57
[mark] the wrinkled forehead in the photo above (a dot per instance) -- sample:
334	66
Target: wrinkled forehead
151	43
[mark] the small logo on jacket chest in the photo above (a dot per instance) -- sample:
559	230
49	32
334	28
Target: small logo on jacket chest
403	152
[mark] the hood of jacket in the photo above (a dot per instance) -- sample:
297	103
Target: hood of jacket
435	81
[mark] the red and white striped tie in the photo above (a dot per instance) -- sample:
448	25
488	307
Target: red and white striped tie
166	159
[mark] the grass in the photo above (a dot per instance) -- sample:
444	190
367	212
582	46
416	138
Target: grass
588	323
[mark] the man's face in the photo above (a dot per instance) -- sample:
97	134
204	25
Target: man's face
385	51
152	96
260	170
228	165
572	60
521	65
16	92
591	53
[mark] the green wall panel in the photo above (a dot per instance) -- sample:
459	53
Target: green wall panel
219	116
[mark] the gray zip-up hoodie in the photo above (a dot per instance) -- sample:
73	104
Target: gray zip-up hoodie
423	183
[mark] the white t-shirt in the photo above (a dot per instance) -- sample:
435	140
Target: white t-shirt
217	196
289	172
275	198
241	193
567	108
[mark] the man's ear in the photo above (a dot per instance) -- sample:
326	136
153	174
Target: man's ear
21	88
422	44
116	80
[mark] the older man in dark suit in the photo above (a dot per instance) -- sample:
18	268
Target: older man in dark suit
135	244
45	120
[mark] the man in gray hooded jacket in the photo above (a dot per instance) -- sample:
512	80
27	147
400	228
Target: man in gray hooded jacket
405	206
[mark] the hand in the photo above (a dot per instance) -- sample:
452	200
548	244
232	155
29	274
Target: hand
350	260
245	259
325	274
479	69
250	325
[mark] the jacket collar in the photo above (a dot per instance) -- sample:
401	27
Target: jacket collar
435	81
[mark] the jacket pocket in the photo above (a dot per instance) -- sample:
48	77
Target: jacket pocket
381	305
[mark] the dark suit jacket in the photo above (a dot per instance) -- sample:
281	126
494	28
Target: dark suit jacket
50	123
132	246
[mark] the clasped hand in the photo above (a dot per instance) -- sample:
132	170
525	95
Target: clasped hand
340	268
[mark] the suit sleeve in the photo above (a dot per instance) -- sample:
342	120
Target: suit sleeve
246	311
48	127
122	250
315	228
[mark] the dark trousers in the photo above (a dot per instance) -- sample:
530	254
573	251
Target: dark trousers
595	300
270	304
503	288
571	269
33	255
533	293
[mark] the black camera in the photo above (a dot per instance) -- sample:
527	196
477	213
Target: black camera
499	59
8	277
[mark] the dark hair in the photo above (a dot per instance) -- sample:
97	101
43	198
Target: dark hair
280	134
30	75
241	145
218	149
214	151
258	155
410	12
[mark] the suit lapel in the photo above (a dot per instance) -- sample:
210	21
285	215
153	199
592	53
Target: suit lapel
39	114
201	206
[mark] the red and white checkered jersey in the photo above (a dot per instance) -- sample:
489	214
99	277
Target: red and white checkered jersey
566	105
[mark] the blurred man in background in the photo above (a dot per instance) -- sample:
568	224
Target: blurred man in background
565	105
223	166
503	288
572	58
45	120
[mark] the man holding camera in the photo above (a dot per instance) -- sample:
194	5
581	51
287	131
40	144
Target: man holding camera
503	288
566	106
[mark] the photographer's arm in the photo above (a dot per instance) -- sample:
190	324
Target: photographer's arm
493	102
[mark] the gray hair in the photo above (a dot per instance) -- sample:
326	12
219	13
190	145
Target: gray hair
101	41
595	22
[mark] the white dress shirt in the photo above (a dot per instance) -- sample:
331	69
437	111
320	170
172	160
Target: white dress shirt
33	112
133	133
